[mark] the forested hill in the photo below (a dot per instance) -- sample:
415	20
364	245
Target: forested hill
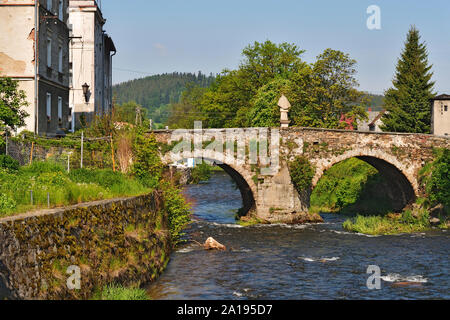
377	102
156	92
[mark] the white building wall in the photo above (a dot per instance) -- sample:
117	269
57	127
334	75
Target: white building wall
90	60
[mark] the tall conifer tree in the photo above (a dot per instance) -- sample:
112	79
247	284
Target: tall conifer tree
408	101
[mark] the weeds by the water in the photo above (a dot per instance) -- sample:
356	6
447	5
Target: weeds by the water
119	292
390	224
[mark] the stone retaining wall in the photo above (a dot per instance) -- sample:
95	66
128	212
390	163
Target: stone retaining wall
121	240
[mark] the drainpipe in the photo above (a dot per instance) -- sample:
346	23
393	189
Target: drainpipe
110	82
36	67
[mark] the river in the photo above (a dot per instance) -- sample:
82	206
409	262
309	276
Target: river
319	261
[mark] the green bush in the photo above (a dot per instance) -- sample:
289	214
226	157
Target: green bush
438	184
177	210
8	162
301	172
147	164
6	203
201	172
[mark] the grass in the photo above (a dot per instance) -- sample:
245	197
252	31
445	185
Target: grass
119	292
390	224
80	185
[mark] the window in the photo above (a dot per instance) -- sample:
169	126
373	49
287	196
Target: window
49	5
49	52
60	60
445	108
60	110
60	10
49	106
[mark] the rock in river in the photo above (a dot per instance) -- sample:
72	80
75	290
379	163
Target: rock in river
212	244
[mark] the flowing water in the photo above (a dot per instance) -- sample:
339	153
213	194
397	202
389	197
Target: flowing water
319	261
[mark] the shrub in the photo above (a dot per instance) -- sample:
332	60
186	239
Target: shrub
435	178
147	164
177	210
8	162
6	203
301	172
201	172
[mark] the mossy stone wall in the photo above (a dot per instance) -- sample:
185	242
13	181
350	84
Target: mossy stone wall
121	240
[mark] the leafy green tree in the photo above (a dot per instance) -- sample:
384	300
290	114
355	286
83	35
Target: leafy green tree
408	101
229	100
331	92
265	111
12	102
147	165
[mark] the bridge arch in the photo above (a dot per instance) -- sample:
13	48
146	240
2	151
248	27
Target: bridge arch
240	174
404	184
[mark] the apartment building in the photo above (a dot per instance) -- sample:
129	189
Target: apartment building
34	49
91	52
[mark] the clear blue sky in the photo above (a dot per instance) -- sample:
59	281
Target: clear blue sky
158	36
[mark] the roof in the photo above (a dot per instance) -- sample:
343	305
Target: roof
378	117
442	97
110	43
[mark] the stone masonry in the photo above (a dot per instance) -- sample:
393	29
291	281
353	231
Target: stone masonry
273	197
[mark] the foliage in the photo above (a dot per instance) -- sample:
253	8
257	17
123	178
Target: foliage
155	93
201	172
12	102
7	162
127	112
320	94
119	292
351	186
408	102
147	166
80	185
301	172
177	211
7	203
378	225
331	92
435	176
265	111
186	111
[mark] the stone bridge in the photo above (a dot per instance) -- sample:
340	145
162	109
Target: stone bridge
262	175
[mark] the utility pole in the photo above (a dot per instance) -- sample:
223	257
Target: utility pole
6	134
82	138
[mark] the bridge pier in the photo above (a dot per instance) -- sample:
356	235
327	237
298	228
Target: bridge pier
277	200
